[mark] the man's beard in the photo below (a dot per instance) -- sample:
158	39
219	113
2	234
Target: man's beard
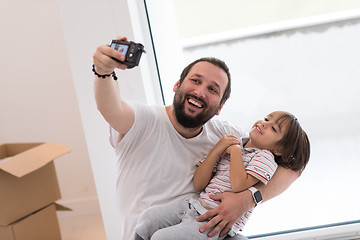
186	120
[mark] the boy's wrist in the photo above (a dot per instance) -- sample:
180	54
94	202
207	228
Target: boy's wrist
236	148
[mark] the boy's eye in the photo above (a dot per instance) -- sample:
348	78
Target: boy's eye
273	129
266	120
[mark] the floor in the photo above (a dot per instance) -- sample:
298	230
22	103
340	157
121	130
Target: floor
81	227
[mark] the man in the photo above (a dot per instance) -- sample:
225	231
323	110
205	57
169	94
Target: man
158	147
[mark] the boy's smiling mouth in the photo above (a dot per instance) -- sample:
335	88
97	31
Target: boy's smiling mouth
258	128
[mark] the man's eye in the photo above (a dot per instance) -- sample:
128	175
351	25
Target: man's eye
195	80
266	120
273	129
213	90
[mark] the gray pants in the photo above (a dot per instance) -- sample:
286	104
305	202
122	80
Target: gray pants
173	221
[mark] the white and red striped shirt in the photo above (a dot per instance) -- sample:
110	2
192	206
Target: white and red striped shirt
257	162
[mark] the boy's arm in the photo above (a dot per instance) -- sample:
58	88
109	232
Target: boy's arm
239	178
112	107
204	172
235	205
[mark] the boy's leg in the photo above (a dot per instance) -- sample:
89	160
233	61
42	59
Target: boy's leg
137	237
187	229
158	217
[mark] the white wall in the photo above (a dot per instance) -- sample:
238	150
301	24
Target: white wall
232	15
46	89
84	29
38	100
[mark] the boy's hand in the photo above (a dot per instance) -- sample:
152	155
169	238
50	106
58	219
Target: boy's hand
225	142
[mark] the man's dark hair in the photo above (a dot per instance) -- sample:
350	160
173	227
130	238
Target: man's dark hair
217	62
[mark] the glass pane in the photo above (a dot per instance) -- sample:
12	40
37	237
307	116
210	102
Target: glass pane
312	72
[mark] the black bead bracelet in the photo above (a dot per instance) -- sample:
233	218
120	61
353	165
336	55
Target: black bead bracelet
106	75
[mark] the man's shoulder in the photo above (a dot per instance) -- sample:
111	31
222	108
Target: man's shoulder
219	122
146	108
138	104
224	127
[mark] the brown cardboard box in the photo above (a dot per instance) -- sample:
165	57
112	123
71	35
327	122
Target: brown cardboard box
41	225
28	179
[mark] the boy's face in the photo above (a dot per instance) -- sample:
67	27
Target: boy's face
198	97
265	134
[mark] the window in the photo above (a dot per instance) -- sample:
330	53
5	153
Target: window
302	63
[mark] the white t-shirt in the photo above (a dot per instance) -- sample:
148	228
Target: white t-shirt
155	164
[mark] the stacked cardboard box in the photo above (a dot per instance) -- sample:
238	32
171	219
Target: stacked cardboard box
28	191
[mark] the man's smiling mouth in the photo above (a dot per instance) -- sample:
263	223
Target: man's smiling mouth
195	103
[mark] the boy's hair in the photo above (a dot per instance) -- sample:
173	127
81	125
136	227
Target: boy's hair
217	62
295	145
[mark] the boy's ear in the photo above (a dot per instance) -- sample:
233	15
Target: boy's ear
278	151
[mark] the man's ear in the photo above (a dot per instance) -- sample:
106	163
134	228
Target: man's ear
218	112
176	85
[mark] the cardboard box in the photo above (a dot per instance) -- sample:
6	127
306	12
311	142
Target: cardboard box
28	179
41	225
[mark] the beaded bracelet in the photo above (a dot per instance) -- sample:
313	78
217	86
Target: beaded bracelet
106	75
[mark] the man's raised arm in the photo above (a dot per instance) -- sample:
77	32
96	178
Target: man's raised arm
116	111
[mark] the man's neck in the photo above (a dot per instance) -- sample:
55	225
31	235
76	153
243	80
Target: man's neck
185	132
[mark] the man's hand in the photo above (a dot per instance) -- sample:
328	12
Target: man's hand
102	59
232	207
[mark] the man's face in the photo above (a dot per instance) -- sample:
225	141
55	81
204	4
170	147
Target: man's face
198	97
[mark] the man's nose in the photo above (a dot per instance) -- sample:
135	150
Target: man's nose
200	92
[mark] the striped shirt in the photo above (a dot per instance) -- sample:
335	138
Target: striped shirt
257	162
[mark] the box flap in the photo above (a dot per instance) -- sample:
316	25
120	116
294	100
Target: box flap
33	159
6	233
60	207
41	225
